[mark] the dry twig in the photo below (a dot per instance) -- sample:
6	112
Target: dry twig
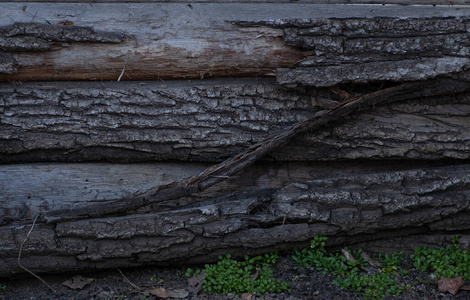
132	284
21	250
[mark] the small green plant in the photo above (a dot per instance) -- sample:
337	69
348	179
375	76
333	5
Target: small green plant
349	273
319	260
394	263
146	296
447	262
190	272
3	289
252	275
370	286
157	279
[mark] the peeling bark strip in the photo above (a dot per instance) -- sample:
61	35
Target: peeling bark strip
36	37
403	70
373	49
375	206
231	166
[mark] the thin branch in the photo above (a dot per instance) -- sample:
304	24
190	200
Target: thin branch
132	284
21	250
231	166
122	73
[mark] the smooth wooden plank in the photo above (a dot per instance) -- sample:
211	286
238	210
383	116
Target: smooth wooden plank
26	190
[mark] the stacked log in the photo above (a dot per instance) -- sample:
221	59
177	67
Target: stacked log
347	123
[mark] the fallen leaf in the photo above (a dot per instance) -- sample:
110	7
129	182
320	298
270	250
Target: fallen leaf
160	293
316	293
178	293
371	270
246	296
77	282
451	285
255	276
371	261
348	255
195	283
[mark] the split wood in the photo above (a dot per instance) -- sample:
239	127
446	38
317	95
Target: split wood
231	166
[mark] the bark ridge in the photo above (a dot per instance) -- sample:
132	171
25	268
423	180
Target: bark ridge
362	50
366	207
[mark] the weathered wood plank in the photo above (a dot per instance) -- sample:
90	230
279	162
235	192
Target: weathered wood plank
215	119
174	40
26	190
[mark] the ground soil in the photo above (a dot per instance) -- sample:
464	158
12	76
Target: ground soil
112	284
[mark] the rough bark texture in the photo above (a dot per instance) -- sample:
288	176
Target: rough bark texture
217	173
418	129
331	62
359	50
201	121
213	120
367	207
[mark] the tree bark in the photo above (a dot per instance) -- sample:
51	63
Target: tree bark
393	203
177	40
410	74
360	208
209	121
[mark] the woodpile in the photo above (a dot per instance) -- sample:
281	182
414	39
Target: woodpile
168	133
